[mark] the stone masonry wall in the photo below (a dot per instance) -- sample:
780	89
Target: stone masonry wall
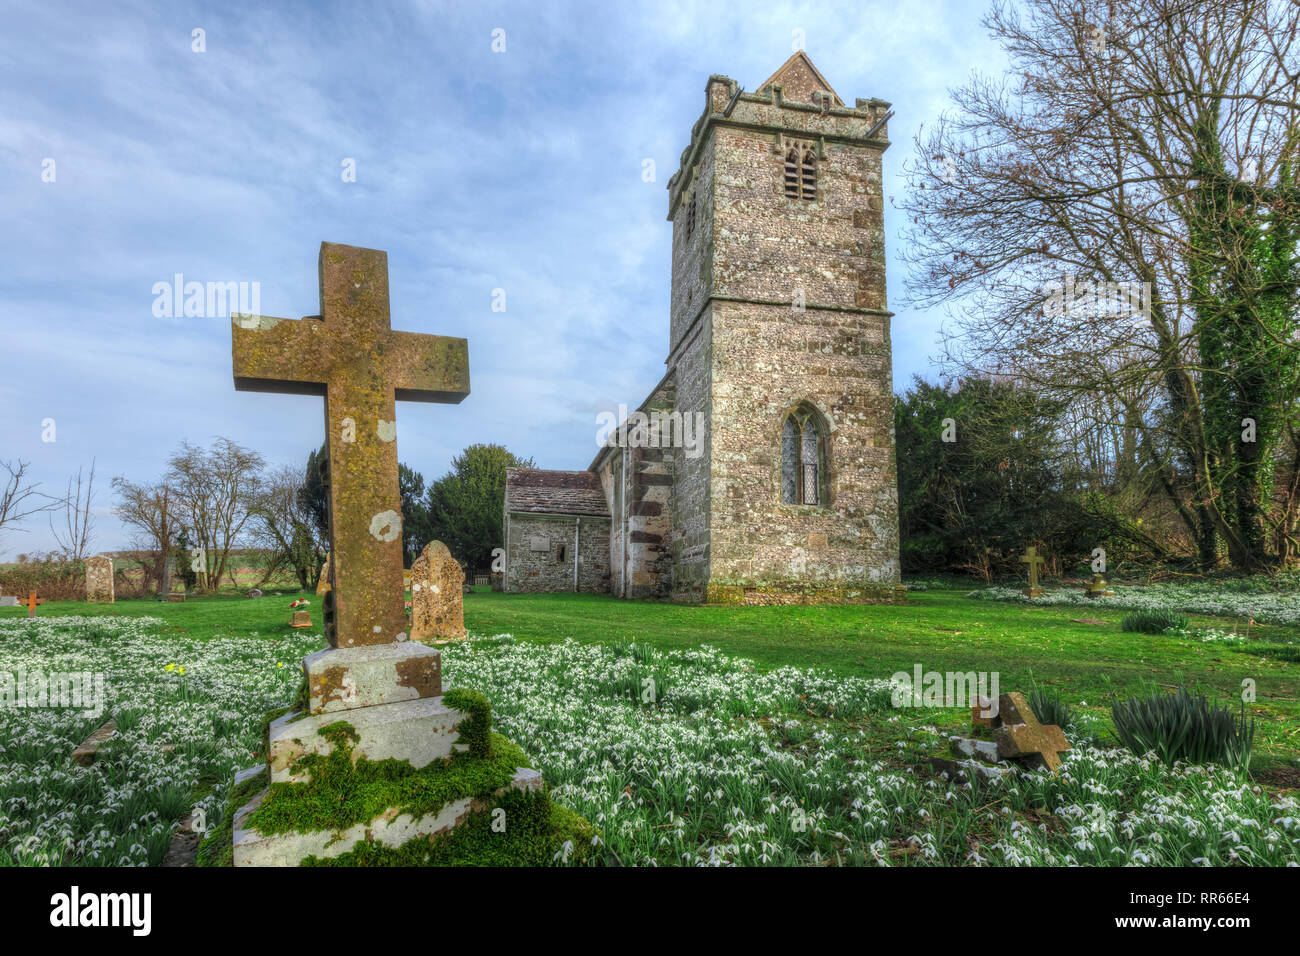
529	571
798	315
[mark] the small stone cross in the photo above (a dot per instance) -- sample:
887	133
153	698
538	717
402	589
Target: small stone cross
1021	735
1033	559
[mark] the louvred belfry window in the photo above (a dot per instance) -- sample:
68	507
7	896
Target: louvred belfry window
801	173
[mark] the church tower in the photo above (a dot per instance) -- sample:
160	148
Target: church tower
779	336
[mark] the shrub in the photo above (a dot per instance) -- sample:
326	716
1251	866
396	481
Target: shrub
1153	622
1183	727
1050	709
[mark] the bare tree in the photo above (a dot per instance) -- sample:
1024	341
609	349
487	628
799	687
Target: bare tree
284	528
77	532
216	490
151	511
19	497
1105	211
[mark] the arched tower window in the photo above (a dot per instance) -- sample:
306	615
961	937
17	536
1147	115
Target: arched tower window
803	457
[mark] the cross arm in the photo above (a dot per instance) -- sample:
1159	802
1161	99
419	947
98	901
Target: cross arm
279	355
429	368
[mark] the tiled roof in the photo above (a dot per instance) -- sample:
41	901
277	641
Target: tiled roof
555	492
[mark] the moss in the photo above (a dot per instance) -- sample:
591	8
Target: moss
476	729
340	794
536	829
217	848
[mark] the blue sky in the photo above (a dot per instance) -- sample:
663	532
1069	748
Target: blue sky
475	170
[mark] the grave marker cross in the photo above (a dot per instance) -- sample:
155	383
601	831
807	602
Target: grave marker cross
1021	735
350	355
1033	559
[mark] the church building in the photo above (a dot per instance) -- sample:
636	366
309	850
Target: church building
761	469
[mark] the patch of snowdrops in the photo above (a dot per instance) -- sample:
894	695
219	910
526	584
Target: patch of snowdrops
1267	607
188	711
692	757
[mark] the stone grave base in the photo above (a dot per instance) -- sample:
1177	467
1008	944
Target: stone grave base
415	782
392	829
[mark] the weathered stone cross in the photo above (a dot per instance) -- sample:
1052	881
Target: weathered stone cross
1033	559
1021	735
351	355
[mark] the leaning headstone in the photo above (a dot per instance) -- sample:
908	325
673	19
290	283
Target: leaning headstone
372	692
437	595
323	584
99	579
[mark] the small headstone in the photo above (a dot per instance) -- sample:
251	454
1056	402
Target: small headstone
10	601
176	597
301	619
99	579
437	595
1098	587
254	592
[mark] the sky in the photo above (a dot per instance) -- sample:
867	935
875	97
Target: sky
133	149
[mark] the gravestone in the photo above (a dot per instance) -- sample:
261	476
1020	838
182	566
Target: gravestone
1098	587
99	579
437	595
169	567
1022	737
301	619
9	601
386	689
1033	559
323	583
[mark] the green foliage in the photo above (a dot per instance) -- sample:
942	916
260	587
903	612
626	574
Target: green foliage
972	504
217	848
475	729
464	507
183	567
1153	622
415	513
1050	709
1183	727
313	496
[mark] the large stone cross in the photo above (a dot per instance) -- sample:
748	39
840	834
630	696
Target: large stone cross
350	355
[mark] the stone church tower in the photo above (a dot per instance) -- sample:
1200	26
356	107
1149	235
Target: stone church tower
779	349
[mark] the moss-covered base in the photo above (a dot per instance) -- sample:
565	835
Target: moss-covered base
493	822
520	829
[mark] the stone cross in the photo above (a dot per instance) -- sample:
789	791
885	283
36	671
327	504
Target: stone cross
1021	735
350	355
1033	559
